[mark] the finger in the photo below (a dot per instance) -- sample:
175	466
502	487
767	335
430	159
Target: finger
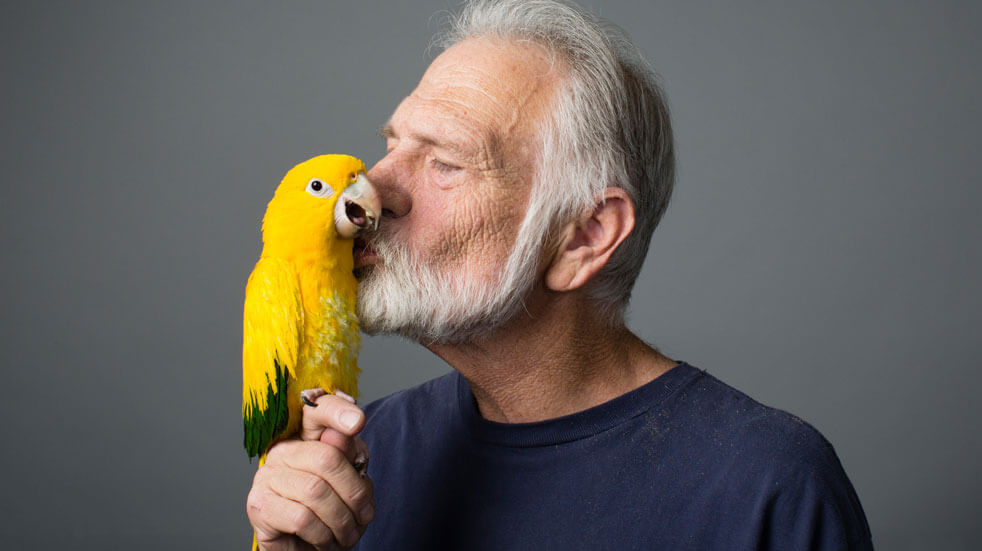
354	448
331	412
276	520
317	496
333	467
342	442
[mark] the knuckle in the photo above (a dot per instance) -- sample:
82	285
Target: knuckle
360	493
346	532
301	520
261	478
314	488
322	540
330	460
324	543
255	502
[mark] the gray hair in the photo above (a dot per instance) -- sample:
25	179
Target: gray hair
609	127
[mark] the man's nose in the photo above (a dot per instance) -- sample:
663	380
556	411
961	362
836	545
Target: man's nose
396	202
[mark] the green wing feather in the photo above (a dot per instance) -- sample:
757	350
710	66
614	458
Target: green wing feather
272	325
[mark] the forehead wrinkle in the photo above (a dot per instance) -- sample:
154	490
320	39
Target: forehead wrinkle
487	105
521	109
442	122
514	118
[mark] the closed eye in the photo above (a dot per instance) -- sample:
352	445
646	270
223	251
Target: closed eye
443	167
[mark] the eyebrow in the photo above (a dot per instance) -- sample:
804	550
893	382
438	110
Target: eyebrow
490	143
428	138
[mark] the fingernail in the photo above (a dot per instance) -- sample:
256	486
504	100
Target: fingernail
344	395
349	419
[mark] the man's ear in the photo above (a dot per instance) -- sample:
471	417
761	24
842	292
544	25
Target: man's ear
585	245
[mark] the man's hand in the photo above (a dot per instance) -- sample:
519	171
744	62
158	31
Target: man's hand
309	494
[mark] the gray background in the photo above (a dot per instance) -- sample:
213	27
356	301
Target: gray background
822	251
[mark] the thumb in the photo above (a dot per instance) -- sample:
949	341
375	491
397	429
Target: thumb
333	419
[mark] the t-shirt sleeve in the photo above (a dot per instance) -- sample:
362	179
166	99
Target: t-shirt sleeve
808	502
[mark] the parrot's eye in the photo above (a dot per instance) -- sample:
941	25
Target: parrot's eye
318	188
352	176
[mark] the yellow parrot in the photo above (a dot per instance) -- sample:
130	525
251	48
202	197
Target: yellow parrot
300	330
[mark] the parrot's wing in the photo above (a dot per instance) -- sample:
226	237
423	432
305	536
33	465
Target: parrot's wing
272	327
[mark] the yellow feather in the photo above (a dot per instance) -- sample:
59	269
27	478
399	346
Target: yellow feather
272	325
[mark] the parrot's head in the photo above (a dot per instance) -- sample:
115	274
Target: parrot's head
318	201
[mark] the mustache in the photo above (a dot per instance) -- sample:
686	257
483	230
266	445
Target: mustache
391	249
381	236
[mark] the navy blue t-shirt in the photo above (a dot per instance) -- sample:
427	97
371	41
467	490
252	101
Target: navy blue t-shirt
683	462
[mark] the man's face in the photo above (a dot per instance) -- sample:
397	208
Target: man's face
462	151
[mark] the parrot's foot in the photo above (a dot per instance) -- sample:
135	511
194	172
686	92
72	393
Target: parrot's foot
337	392
311	395
361	465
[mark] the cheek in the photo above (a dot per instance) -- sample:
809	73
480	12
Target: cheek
470	227
477	232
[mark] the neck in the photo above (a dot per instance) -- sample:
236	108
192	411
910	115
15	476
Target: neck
555	360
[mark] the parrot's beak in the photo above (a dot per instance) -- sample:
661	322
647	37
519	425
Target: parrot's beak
358	208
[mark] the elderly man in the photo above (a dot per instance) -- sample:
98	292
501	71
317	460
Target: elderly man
523	178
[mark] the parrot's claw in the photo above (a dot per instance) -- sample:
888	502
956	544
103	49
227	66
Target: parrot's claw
344	395
361	465
311	395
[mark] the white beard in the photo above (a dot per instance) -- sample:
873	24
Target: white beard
418	299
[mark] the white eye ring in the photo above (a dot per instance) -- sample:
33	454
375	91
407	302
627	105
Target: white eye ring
318	188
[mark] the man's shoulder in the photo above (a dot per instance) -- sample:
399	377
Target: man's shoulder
741	426
771	462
